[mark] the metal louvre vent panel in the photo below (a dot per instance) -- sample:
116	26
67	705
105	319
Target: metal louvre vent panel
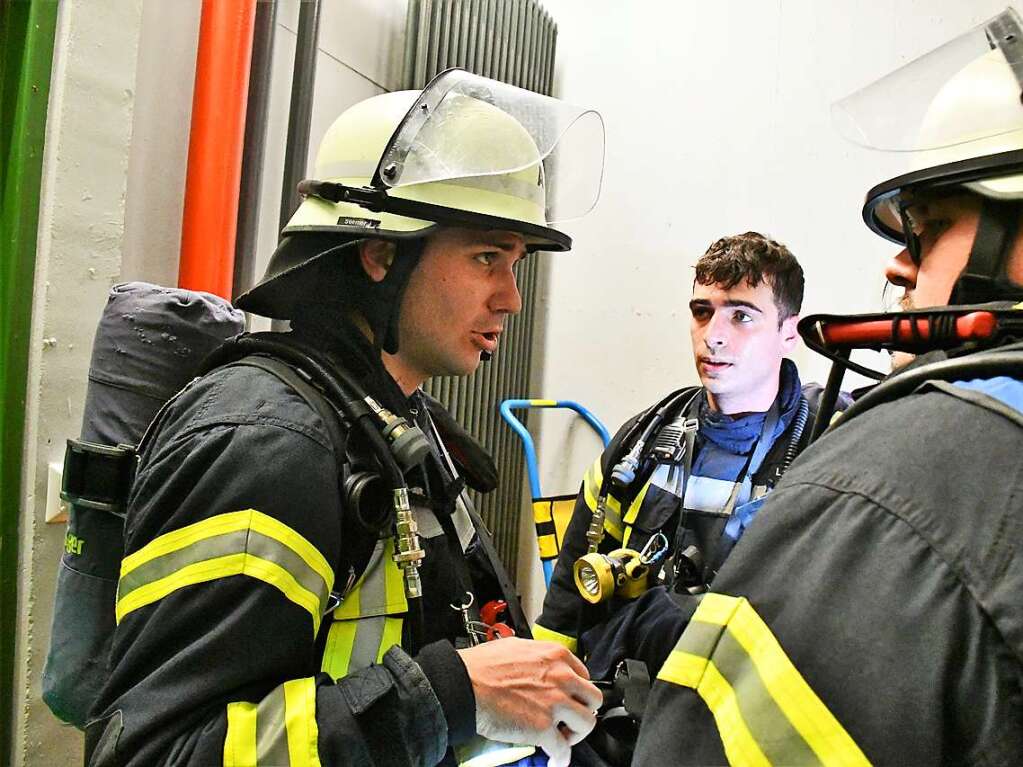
513	41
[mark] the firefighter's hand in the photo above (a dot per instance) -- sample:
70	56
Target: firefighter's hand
533	693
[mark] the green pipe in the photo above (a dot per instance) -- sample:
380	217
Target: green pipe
27	32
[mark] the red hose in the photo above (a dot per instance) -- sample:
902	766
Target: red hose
974	326
215	146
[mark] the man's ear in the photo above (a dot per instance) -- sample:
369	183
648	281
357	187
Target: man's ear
789	334
376	257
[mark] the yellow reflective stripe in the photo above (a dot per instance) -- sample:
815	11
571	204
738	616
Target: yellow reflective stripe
716	609
545	634
543	520
300	721
227	523
223	567
277	530
683	669
591	489
740	746
543	402
633	512
542	511
368	621
350	603
391	636
383	584
548	546
337	654
237	543
240	742
760	673
797	700
687	670
592	481
591	484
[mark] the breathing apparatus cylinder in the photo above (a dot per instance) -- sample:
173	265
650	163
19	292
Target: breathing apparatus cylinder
149	343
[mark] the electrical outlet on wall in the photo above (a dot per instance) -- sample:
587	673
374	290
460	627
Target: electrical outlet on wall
56	509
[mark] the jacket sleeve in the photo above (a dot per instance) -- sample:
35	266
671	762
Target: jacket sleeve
849	625
231	538
564	611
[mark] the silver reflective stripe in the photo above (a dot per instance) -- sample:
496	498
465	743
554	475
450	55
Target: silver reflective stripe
429	525
369	620
669	478
462	520
709	495
271	733
373	585
237	542
369	633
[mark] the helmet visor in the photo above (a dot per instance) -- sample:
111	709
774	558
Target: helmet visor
479	133
964	94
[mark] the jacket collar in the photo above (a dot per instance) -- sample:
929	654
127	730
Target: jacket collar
739	434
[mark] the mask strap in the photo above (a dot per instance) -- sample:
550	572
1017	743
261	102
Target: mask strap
985	277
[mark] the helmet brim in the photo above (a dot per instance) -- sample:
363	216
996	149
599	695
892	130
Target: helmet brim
884	198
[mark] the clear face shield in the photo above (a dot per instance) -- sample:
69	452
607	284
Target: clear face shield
956	112
458	129
472	151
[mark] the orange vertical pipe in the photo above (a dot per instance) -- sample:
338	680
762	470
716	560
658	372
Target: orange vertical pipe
208	226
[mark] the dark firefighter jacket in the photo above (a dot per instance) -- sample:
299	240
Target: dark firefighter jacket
653	504
228	648
872	612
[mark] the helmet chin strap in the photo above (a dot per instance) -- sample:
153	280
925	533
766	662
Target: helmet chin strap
406	258
985	277
380	302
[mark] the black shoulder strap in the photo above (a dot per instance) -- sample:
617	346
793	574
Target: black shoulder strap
292	377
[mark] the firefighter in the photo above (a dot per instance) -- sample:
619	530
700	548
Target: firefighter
272	607
721	446
871	614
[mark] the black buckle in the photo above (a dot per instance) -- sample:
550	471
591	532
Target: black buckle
367	197
98	476
688	569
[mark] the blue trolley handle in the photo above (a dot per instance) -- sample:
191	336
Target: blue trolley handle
530	449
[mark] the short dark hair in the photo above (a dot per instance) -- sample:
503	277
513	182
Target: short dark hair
754	258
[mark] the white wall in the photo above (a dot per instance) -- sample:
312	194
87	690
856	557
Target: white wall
717	117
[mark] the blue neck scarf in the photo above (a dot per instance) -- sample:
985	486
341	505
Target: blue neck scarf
738	434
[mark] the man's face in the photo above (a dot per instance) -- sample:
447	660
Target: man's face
946	229
738	344
457	299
